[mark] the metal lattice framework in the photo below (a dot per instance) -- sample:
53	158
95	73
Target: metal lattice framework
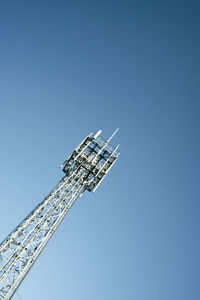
84	170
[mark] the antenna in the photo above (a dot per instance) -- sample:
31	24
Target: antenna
83	171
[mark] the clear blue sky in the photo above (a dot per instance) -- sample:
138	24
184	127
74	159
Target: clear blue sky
69	67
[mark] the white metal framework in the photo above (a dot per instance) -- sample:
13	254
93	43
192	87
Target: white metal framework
84	170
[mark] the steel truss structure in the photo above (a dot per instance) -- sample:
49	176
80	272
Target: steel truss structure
84	170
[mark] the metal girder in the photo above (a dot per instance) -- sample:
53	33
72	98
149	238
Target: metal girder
84	170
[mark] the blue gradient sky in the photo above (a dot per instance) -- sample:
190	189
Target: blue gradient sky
69	67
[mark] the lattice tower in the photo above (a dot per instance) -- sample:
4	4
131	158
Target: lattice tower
84	170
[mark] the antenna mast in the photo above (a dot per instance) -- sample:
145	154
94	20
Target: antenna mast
84	170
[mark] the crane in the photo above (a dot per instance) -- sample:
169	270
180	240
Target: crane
84	170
